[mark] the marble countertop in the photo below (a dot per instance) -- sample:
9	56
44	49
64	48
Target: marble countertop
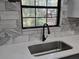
20	51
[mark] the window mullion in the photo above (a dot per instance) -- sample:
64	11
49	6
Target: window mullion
35	11
46	10
25	6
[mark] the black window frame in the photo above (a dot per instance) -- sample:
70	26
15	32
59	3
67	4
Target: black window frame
58	14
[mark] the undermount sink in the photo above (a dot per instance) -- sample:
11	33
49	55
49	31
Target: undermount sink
47	48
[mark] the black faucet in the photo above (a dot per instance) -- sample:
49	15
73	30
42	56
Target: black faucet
43	36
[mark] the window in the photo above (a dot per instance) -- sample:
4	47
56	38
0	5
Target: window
37	12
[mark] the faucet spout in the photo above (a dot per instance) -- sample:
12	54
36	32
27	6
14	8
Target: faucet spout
45	25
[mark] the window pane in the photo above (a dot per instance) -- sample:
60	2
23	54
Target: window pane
51	21
40	21
28	12
52	13
28	2
40	2
29	22
40	12
52	2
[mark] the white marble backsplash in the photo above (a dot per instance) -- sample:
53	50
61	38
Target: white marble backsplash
10	20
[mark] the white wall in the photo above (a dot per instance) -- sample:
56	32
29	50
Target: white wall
73	8
70	8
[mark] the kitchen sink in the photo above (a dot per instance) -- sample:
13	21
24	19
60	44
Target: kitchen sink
47	48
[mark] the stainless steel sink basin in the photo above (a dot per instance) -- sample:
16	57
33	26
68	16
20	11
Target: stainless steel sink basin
47	48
